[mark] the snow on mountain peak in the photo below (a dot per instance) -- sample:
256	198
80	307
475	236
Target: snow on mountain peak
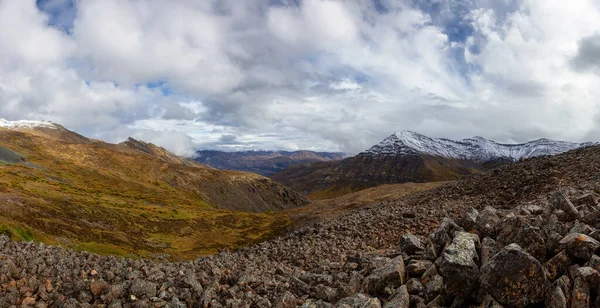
475	148
26	124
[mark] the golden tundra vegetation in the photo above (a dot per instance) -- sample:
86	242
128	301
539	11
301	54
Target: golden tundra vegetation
138	200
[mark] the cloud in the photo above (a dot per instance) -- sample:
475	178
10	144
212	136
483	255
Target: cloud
312	74
588	54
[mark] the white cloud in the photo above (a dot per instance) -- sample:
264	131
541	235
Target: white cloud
327	74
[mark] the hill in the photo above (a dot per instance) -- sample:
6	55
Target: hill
411	157
262	162
57	186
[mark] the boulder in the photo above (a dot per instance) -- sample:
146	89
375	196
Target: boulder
514	277
490	302
389	276
487	222
143	288
414	286
434	287
411	244
400	298
458	264
489	248
359	301
416	268
517	230
558	265
468	219
286	300
579	245
556	298
580	298
560	201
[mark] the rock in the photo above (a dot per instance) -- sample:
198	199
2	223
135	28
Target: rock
487	222
98	287
594	263
558	265
579	246
581	294
391	275
414	286
589	275
514	277
411	244
416	268
325	293
359	301
28	301
517	230
400	298
489	248
590	200
560	201
458	264
556	298
286	300
490	302
142	288
468	219
434	287
592	218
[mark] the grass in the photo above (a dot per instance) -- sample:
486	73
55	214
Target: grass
109	200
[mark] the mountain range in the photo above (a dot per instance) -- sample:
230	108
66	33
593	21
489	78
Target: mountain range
262	162
411	157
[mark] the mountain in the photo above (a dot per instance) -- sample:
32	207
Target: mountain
262	162
523	235
476	149
60	187
410	157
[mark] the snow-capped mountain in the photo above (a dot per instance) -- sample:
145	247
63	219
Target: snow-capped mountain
476	149
26	124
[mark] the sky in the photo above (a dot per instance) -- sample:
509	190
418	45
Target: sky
303	74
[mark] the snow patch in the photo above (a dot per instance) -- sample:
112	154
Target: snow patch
476	148
25	124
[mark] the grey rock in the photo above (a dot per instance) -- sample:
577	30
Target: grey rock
400	298
142	288
489	247
580	297
487	222
458	264
556	298
416	268
411	244
359	301
286	300
514	277
414	286
560	201
391	275
468	219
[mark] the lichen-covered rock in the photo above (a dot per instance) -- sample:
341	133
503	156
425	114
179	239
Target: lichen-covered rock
517	230
359	301
400	299
390	276
514	277
580	246
458	264
487	222
143	288
558	265
581	294
556	298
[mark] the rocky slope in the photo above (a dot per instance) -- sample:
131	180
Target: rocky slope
262	162
411	157
523	234
60	187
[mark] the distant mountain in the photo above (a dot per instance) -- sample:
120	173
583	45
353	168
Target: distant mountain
262	162
476	149
410	157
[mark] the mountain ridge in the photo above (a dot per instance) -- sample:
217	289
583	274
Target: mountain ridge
410	157
263	162
476	148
